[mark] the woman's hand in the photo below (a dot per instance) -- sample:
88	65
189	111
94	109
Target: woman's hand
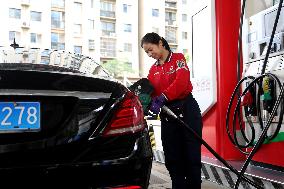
157	104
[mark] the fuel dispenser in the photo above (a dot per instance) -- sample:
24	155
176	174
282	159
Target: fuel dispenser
257	31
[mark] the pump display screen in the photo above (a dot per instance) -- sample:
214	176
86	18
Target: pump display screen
269	20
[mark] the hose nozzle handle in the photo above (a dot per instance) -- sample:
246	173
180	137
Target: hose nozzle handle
169	112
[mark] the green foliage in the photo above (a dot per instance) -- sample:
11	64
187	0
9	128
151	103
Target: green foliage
187	58
117	68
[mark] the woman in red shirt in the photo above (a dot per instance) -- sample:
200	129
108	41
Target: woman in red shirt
170	78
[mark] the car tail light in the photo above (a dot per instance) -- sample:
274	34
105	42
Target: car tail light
128	118
127	187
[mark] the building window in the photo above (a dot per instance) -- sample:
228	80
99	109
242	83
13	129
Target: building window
91	24
127	47
91	44
126	8
155	12
107	9
108	28
35	38
57	19
78	49
107	6
127	27
14	13
108	47
35	16
77	28
184	17
170	18
184	35
57	41
169	4
14	35
78	8
173	49
155	30
128	65
58	3
171	34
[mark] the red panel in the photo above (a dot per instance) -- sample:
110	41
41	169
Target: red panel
214	128
227	25
275	151
209	130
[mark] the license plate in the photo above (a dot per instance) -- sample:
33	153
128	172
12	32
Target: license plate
19	116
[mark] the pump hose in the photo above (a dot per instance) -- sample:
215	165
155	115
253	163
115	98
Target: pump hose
262	136
250	141
170	113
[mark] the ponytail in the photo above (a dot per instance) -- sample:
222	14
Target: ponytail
165	44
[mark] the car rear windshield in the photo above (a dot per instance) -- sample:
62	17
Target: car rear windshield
50	60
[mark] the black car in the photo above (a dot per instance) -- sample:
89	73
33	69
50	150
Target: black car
63	129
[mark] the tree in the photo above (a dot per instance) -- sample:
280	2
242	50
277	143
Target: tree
117	67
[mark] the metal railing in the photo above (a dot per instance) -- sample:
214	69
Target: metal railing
58	4
110	14
55	24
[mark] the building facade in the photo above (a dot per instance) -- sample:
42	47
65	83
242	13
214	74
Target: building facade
102	29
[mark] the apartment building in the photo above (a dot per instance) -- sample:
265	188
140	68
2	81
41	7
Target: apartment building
102	29
168	18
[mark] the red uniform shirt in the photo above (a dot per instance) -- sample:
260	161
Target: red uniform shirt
171	78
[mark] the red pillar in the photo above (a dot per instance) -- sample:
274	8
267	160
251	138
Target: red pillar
227	26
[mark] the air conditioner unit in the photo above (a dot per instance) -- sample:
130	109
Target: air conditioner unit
25	24
91	47
25	2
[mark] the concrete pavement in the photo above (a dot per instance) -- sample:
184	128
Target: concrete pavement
160	179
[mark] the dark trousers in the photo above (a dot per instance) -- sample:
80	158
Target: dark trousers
182	150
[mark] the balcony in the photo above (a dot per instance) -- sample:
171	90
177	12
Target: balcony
58	4
171	35
55	24
25	3
106	33
108	53
171	23
108	14
172	40
91	47
171	4
57	45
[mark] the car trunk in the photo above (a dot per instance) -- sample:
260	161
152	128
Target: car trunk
71	107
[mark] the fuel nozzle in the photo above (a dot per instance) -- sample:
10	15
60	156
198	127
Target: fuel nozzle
267	96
